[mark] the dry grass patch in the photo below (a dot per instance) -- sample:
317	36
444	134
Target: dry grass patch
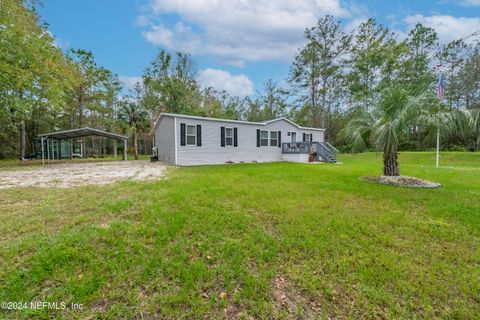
67	175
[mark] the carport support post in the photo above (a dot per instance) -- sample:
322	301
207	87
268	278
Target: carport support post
115	148
48	152
125	149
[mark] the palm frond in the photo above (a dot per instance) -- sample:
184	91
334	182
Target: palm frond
357	130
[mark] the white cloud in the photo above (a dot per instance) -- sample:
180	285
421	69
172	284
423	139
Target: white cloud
142	21
354	23
129	82
239	30
237	85
159	35
448	28
470	3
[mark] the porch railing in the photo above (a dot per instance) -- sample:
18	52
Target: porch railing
324	151
296	147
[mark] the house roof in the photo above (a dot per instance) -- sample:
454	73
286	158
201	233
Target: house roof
82	132
165	114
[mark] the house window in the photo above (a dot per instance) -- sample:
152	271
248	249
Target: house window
191	135
307	137
273	138
264	138
229	136
294	137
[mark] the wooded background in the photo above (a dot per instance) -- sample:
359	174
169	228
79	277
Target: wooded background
335	74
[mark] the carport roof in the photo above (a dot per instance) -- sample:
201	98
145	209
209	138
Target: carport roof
82	132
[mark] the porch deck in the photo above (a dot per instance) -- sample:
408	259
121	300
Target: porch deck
321	151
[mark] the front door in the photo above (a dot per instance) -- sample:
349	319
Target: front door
294	137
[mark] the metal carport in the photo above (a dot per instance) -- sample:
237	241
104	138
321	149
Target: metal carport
79	133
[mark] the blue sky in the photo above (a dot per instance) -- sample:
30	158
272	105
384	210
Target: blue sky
236	44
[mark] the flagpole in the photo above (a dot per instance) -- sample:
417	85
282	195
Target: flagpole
440	92
438	146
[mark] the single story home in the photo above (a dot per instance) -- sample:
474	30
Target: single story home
195	140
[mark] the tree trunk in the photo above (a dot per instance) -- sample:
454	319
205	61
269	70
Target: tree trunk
83	146
145	143
104	147
22	140
328	123
390	164
313	83
314	118
35	120
92	139
22	130
135	144
314	109
323	116
324	103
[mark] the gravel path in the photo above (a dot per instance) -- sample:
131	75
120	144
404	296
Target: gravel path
78	174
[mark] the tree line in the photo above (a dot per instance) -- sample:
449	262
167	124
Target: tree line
43	89
337	77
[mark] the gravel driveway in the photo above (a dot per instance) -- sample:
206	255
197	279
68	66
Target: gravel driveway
77	174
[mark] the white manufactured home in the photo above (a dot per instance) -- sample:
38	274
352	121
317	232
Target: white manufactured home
194	140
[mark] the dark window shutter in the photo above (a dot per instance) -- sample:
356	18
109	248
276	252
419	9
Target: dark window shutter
182	134
222	136
235	137
304	137
279	139
258	137
311	137
199	135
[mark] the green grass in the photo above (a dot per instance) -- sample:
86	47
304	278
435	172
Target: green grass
344	247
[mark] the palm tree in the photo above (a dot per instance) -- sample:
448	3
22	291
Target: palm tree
132	115
386	125
444	121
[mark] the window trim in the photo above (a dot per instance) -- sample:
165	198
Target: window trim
276	139
190	135
232	136
267	138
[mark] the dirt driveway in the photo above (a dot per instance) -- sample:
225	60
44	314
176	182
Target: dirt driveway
67	175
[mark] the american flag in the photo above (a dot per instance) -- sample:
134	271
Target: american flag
440	89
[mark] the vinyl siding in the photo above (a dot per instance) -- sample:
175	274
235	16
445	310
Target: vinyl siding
285	127
247	151
165	140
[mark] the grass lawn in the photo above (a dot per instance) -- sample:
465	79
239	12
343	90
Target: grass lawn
251	240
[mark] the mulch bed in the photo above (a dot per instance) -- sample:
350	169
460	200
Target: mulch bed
403	181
